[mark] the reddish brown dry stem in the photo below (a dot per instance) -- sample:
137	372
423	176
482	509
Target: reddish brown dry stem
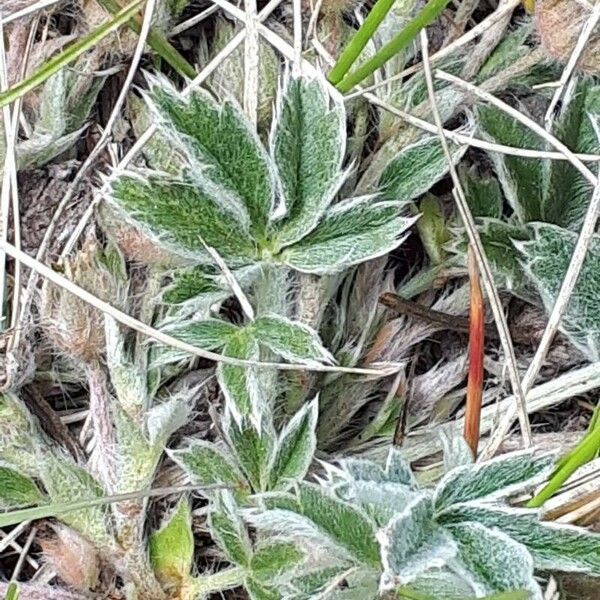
476	347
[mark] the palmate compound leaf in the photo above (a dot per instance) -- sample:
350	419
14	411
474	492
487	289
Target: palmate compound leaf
546	259
292	340
295	448
415	169
229	531
179	215
553	547
307	143
351	232
493	479
493	561
171	547
226	157
412	543
17	490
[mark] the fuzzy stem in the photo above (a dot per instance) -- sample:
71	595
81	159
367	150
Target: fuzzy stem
218	582
360	40
427	15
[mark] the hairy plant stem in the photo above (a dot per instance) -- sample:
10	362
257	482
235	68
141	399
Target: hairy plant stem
217	582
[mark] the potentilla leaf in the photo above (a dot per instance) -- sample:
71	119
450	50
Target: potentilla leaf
308	143
496	562
496	478
189	283
546	259
18	491
554	547
226	156
483	194
292	340
229	531
240	385
522	179
415	169
351	232
295	448
348	526
259	591
171	548
207	464
272	560
412	543
180	215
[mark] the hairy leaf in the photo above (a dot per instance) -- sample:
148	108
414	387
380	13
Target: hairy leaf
258	591
495	561
493	479
229	531
295	448
179	215
291	340
553	546
415	169
546	259
226	157
350	233
189	283
17	490
413	543
483	194
272	560
397	468
308	143
171	548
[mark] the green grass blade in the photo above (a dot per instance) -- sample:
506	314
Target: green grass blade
157	42
359	40
67	56
426	16
12	593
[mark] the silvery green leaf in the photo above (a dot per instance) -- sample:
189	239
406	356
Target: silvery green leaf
274	560
179	216
292	340
295	448
307	143
351	232
568	192
441	583
357	584
171	547
397	468
18	491
507	52
496	478
546	259
66	482
226	156
206	464
522	179
259	591
240	385
348	526
362	469
415	169
554	547
253	450
164	419
413	543
187	284
483	194
229	531
455	450
496	562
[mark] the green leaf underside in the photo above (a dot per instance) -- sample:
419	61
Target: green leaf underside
546	259
226	156
229	531
553	546
416	169
413	543
351	232
295	448
308	145
496	562
17	490
291	340
498	477
345	524
171	548
179	215
522	178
